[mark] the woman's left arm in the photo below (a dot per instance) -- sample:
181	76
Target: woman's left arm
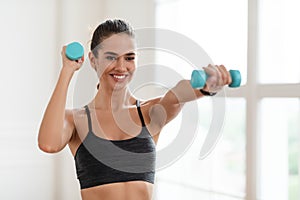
168	107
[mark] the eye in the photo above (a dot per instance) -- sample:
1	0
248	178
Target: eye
111	58
129	58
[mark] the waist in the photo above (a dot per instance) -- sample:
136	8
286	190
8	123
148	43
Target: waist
125	190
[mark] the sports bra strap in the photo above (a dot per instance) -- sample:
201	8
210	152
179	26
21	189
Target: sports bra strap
89	117
90	121
140	112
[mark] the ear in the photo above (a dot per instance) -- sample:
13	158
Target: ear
92	60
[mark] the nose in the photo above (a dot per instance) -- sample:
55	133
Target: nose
120	64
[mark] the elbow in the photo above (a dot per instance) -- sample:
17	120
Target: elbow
48	144
48	148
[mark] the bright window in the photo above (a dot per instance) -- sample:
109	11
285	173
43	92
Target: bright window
258	156
280	148
279	41
224	39
217	26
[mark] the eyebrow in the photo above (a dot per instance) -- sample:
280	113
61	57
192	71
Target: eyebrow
115	54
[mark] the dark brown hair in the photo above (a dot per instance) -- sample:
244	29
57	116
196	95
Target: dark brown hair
108	28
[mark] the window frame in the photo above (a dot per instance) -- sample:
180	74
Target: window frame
253	91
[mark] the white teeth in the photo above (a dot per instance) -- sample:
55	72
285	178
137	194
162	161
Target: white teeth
119	77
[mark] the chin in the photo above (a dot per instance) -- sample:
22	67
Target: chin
120	86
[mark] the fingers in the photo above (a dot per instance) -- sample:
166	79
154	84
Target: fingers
77	63
214	80
220	72
225	75
74	64
211	70
218	76
81	60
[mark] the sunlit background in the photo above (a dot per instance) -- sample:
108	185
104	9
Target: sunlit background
258	156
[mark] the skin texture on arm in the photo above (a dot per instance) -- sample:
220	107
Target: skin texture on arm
57	125
171	104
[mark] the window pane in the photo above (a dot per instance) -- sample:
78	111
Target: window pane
222	32
219	176
230	156
217	26
279	41
280	149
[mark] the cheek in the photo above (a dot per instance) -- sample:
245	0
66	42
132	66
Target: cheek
132	67
103	66
100	70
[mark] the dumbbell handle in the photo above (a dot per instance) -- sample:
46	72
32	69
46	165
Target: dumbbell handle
199	77
74	51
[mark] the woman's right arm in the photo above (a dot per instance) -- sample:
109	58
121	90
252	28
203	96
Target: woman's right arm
57	125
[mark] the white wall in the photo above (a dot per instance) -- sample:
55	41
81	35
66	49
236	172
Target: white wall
31	38
28	42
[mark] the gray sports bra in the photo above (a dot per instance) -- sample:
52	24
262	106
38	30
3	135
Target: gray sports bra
99	161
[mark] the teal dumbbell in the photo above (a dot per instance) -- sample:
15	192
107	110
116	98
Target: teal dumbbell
198	78
74	51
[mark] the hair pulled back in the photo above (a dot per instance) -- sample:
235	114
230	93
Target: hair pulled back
107	29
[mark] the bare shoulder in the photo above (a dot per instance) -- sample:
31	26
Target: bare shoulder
147	106
150	102
71	114
160	110
74	118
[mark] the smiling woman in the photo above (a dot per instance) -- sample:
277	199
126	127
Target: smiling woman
118	63
113	138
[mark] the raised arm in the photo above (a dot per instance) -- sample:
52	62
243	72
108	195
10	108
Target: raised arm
171	103
57	125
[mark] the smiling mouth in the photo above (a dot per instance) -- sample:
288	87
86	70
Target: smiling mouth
119	77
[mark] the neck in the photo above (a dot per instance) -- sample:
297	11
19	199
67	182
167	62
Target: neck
113	100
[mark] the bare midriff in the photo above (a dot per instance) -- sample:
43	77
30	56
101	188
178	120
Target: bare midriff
132	190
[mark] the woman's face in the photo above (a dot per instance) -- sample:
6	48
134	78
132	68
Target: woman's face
116	61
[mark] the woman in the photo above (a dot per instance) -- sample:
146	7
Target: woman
113	138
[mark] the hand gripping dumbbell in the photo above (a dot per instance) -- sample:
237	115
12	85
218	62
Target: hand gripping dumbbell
74	51
199	77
